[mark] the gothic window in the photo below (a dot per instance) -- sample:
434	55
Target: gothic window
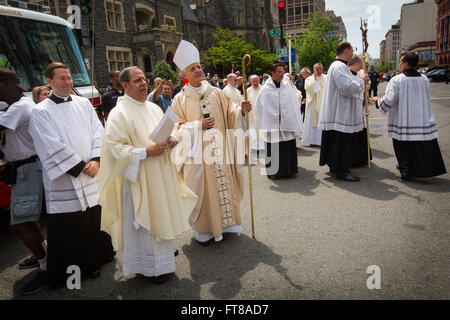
118	58
114	16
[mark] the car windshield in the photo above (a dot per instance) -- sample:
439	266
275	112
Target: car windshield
29	46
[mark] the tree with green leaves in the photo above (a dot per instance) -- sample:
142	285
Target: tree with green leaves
163	70
317	43
228	50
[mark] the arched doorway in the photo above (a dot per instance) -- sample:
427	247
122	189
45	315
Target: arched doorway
169	60
145	61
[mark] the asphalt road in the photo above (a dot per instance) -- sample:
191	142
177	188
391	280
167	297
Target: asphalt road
315	238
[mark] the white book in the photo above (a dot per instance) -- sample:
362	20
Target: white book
164	128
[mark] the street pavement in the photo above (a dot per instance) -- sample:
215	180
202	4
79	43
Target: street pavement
315	237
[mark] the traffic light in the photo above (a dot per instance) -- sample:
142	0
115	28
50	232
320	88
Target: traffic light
382	62
282	11
282	20
86	6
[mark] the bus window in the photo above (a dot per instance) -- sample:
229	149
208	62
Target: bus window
42	43
9	57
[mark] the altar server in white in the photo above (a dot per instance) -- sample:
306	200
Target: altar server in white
339	116
67	135
411	123
277	112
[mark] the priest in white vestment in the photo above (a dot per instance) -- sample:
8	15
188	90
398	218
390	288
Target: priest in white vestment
145	203
67	136
411	123
232	91
314	87
278	116
256	141
210	163
340	117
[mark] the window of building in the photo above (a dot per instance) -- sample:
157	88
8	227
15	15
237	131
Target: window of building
239	17
170	21
57	7
118	58
290	12
114	16
305	9
298	11
144	17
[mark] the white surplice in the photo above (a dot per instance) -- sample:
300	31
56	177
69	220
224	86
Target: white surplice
65	134
339	111
277	112
407	100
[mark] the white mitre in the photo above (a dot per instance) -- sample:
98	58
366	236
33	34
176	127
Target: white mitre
186	55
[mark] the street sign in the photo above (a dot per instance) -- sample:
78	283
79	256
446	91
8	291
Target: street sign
281	53
293	55
274	32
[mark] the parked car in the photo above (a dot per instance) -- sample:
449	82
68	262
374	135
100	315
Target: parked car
431	69
437	75
422	70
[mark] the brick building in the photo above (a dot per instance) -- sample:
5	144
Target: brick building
298	11
442	34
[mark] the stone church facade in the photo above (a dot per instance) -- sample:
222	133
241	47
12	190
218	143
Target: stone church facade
248	19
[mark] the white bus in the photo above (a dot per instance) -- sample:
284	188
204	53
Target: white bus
30	41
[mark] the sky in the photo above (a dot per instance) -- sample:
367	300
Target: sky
381	14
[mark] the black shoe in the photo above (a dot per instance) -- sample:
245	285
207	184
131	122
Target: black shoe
37	284
176	253
348	177
161	279
29	262
94	274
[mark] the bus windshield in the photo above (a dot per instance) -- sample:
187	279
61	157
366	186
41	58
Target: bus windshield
29	46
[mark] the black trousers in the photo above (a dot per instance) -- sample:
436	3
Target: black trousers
373	89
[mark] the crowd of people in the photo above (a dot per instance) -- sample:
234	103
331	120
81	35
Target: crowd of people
109	188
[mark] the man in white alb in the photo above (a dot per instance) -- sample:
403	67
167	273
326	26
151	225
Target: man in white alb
339	116
67	135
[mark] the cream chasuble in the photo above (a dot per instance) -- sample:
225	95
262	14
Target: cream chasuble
314	88
210	167
162	203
